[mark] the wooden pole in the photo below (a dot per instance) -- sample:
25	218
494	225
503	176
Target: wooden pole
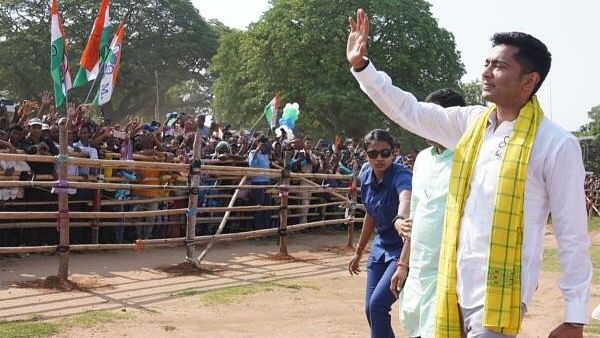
97	208
352	206
63	203
283	212
193	185
222	225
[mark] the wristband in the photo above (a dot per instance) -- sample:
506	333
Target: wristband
578	325
397	218
399	263
367	62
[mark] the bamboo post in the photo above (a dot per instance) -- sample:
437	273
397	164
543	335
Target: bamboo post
63	202
221	226
97	208
283	212
352	205
193	184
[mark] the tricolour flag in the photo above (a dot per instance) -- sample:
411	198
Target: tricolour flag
270	112
111	63
59	64
95	48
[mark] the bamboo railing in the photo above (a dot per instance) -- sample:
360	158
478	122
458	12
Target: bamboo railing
284	190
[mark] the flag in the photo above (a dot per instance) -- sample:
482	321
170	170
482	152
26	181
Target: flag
59	65
111	63
270	112
95	48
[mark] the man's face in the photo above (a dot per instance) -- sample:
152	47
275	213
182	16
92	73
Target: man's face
308	144
36	131
54	133
503	80
16	135
84	134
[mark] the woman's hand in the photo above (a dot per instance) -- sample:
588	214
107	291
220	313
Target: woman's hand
404	227
398	280
354	265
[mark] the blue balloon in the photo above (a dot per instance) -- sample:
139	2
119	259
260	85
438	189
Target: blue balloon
287	121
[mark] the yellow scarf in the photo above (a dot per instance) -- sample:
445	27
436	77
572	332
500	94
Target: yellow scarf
502	309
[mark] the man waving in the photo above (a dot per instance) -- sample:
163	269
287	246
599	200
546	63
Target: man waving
512	167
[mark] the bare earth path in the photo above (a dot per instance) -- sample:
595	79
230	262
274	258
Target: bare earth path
310	296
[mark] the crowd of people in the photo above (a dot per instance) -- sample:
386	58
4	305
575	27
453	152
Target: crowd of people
31	127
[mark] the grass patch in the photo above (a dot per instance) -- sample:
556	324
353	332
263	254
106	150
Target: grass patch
35	327
93	318
235	294
591	330
28	329
594	224
551	263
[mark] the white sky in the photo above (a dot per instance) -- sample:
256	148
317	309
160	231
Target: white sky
569	28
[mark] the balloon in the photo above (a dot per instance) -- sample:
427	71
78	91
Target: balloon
291	111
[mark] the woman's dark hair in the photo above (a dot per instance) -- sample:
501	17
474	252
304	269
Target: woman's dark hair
379	135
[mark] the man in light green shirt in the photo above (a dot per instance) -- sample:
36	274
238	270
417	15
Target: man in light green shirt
431	175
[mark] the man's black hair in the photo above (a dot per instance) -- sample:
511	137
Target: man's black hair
446	97
533	55
15	127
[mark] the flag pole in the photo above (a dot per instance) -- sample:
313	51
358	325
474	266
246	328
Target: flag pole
255	123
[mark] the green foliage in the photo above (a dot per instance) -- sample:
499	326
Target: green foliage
472	93
552	264
591	148
164	36
298	48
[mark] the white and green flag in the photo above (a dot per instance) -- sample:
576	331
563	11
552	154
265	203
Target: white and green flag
111	61
59	64
270	112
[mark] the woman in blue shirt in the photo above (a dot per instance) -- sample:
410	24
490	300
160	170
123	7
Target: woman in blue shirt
385	191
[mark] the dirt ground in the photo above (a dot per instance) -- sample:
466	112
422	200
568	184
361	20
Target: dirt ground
309	296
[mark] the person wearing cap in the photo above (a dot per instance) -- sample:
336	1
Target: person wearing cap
36	143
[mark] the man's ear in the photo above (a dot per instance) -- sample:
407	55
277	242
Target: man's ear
530	81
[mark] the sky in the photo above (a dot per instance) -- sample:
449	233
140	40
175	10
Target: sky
569	28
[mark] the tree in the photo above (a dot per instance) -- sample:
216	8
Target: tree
590	133
298	47
472	93
164	36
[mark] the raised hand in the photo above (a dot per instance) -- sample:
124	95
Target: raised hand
46	98
71	111
357	39
25	110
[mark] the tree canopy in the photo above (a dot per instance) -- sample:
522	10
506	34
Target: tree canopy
591	146
472	93
298	48
167	38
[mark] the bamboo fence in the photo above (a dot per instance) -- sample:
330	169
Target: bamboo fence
189	183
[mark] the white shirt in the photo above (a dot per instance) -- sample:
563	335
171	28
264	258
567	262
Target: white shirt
91	152
554	184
